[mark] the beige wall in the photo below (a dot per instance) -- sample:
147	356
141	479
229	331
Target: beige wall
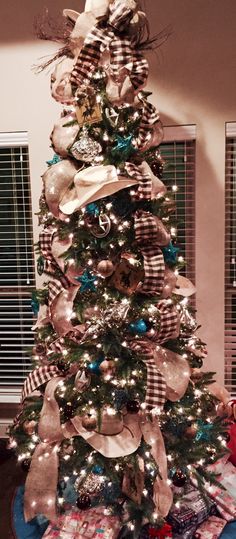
193	80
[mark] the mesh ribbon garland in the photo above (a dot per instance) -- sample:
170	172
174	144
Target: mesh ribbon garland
145	233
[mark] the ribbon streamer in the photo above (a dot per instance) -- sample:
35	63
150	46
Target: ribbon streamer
41	481
156	385
145	232
37	378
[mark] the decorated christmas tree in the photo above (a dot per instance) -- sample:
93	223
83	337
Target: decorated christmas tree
117	420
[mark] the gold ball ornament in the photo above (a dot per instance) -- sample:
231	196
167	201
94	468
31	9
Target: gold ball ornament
29	427
89	422
105	268
107	367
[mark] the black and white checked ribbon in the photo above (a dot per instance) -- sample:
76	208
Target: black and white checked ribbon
144	191
169	321
156	385
154	267
58	282
37	378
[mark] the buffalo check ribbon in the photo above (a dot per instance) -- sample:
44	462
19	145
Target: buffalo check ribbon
58	281
37	378
156	384
169	321
154	267
144	191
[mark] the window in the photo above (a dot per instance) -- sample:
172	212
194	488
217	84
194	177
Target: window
17	276
230	259
178	151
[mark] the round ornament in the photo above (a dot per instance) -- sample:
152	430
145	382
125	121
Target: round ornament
97	469
139	327
83	502
107	367
179	478
133	407
102	228
25	465
191	431
105	268
94	367
89	422
196	362
29	427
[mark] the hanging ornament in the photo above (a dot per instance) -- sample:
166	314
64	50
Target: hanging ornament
196	363
133	407
87	281
123	148
126	277
138	327
92	209
82	381
86	148
91	487
94	367
179	478
25	465
191	431
83	502
102	228
29	427
188	321
105	268
107	367
56	158
97	469
40	265
89	422
170	253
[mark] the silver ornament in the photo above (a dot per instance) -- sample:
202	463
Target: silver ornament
103	228
82	381
86	148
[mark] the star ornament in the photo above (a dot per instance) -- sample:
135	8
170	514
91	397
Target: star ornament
56	158
124	146
170	253
87	281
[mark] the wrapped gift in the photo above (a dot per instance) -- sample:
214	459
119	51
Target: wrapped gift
225	503
193	510
188	534
90	524
226	475
211	528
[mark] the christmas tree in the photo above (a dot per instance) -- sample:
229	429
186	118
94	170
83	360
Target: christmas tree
116	414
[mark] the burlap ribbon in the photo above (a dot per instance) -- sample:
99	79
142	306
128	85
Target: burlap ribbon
124	60
41	482
145	226
162	493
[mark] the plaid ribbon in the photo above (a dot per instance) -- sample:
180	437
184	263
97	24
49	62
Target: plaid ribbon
156	385
144	191
122	50
145	232
37	378
150	116
59	282
169	321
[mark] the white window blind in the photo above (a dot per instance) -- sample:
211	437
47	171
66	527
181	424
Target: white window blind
230	259
17	276
178	151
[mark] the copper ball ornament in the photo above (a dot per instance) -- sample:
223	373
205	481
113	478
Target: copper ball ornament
191	431
83	502
89	422
107	367
29	427
179	478
105	268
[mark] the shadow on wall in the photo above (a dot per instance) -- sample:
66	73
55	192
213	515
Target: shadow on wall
17	18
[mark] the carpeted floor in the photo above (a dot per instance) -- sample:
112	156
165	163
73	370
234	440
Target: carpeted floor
11	476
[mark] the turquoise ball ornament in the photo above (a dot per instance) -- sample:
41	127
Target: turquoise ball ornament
98	470
94	367
139	327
